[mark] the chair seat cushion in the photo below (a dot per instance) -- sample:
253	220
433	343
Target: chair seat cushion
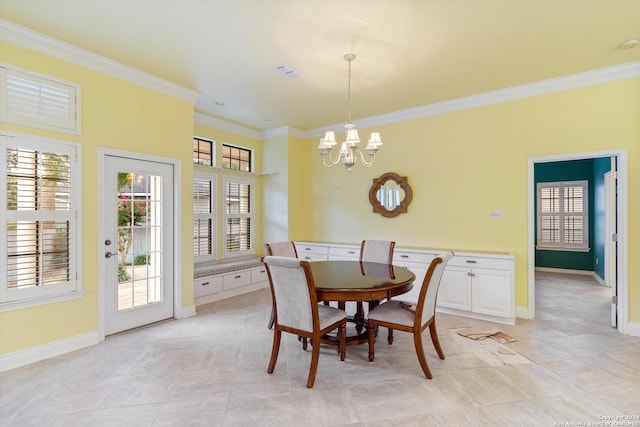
329	315
392	312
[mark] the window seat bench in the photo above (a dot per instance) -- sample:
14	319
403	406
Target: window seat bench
218	280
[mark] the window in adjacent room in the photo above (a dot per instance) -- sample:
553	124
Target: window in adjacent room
236	158
39	202
562	215
202	152
238	215
204	217
34	100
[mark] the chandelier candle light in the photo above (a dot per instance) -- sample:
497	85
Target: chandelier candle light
349	148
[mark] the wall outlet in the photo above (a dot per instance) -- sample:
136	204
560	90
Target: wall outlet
496	214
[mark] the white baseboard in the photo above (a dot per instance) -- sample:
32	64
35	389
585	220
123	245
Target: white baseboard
186	312
523	312
633	329
45	351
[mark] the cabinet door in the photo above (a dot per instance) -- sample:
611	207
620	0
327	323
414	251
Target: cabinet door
236	280
455	289
344	253
491	292
206	286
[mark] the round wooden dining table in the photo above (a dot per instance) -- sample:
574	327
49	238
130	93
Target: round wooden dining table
344	281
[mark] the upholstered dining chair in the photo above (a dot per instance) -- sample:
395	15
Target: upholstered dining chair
411	318
287	249
297	310
380	251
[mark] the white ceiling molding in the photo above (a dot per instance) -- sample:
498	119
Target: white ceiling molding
588	78
217	123
27	38
284	131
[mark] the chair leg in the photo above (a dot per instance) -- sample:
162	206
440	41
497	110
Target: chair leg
372	340
435	339
315	355
417	341
390	336
271	319
274	351
343	341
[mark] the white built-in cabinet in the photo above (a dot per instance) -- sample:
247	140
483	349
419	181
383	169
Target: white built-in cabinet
478	285
220	286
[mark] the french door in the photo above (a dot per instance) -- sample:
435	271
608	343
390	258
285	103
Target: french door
138	242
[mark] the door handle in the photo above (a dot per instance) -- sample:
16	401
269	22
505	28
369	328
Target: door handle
110	254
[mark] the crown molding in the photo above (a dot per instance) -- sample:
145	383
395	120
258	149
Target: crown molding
27	38
284	131
558	84
217	123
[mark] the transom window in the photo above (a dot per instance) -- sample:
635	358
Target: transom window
236	158
202	152
562	215
35	100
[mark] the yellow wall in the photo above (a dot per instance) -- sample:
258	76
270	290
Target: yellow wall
463	165
117	115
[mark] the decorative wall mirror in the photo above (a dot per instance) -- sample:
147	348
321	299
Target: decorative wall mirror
390	194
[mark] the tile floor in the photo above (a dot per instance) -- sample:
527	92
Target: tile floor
210	370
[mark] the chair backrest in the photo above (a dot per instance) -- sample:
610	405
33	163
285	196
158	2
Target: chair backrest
377	251
426	307
293	291
287	249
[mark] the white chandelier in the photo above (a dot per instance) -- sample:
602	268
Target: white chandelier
349	149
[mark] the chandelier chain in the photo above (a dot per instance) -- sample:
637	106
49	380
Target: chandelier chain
349	93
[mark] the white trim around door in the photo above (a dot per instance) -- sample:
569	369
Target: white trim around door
178	311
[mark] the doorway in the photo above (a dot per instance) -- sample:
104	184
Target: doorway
619	310
136	241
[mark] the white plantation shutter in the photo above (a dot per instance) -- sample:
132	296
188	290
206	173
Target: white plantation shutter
563	215
204	218
238	215
39	204
38	101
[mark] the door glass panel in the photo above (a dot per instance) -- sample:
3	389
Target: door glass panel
139	204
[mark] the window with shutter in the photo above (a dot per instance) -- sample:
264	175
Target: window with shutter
40	205
204	218
38	101
238	215
563	215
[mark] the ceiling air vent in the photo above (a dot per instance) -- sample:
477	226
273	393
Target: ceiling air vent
287	71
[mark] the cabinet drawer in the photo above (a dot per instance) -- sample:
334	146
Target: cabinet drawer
312	257
421	258
259	275
206	286
481	262
344	253
236	280
303	249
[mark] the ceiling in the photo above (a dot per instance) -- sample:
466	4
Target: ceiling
409	53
